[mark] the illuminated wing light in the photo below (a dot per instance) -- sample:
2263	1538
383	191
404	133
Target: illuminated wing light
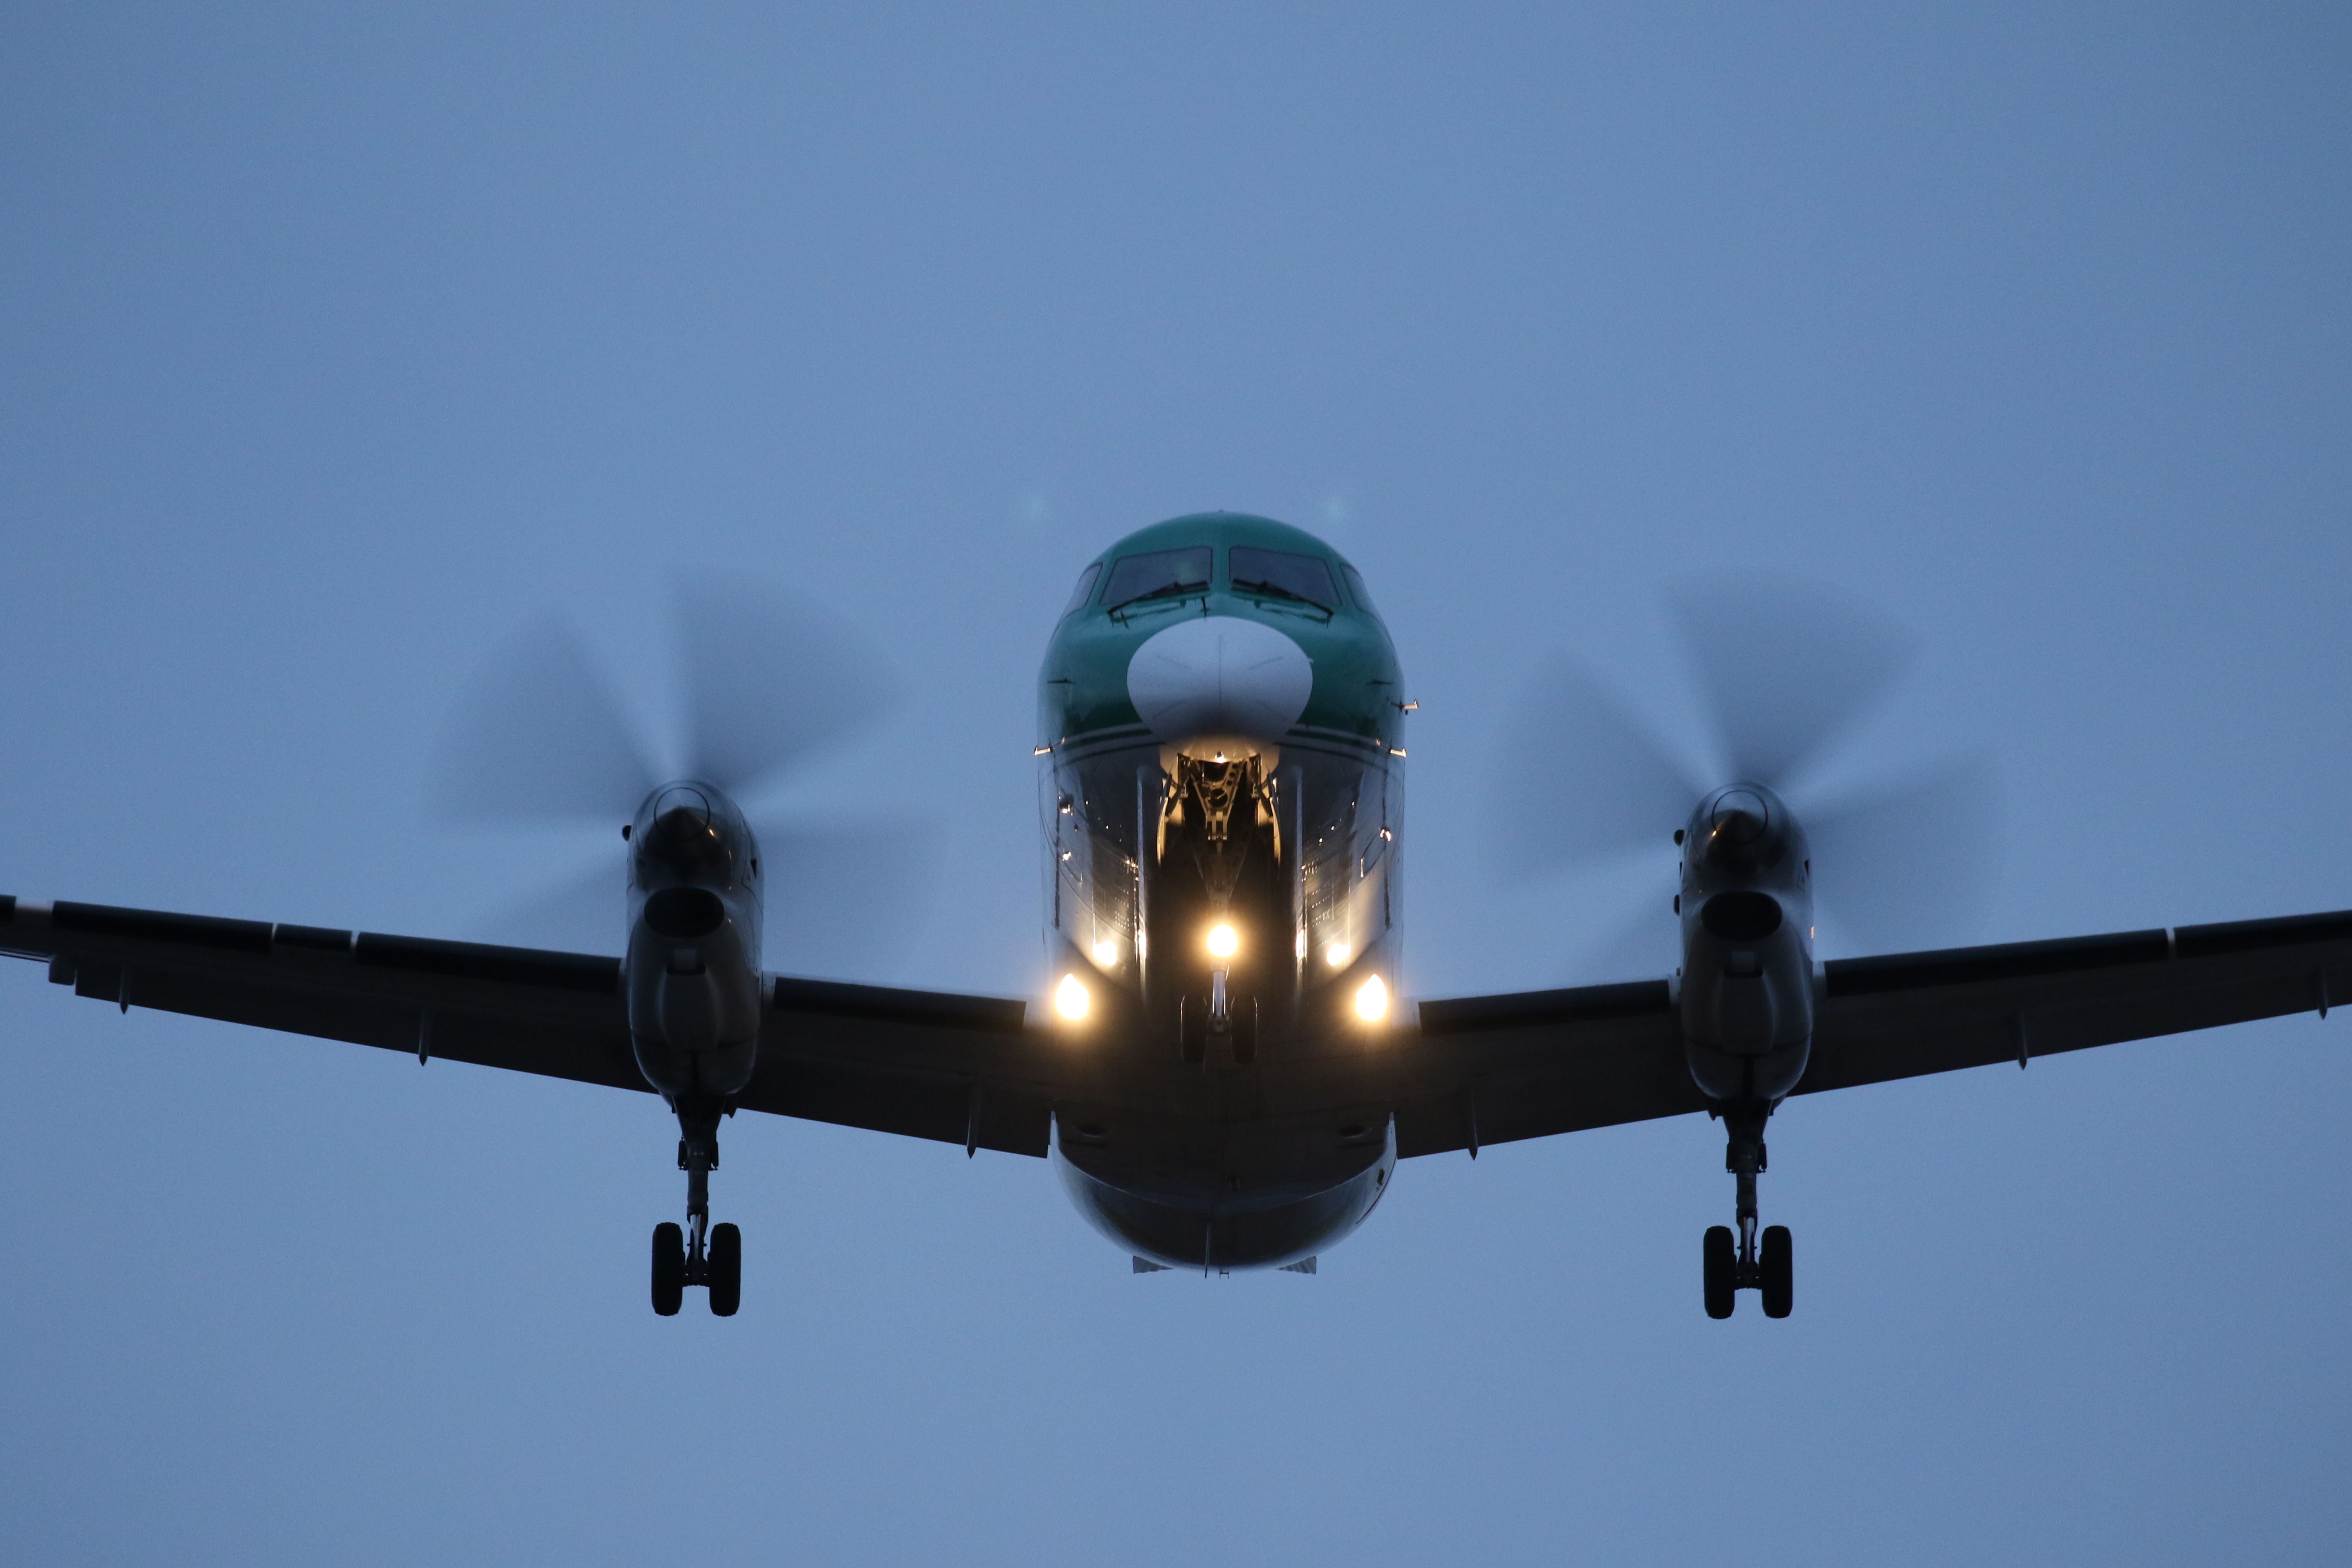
1337	955
1224	940
1106	952
1071	998
1372	1000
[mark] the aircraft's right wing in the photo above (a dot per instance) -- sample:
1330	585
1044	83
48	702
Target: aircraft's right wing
959	1069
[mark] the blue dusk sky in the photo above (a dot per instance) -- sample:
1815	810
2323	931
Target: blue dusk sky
337	344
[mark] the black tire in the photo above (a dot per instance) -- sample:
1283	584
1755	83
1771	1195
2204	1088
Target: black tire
726	1269
1245	1030
1722	1271
1192	1029
669	1268
1779	1270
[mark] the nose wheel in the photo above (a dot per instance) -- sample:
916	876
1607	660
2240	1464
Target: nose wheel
1750	1261
700	1253
1217	1016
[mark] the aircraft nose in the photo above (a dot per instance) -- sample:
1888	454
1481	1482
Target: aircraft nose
1220	680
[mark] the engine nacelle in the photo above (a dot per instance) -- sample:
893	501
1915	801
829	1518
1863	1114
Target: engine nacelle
1747	994
693	965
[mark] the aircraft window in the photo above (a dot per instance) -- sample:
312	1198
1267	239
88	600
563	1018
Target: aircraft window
1085	590
1160	574
1283	576
1356	589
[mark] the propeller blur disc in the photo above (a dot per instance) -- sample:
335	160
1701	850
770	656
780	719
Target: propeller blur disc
768	682
1788	667
1912	864
540	734
1582	777
1787	670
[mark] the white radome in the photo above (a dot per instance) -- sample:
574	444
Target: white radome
1218	683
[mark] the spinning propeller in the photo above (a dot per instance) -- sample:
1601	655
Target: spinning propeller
1788	671
541	737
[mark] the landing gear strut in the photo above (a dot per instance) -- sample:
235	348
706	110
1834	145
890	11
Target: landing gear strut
1742	1264
702	1253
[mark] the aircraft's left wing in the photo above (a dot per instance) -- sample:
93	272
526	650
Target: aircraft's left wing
1493	1069
961	1069
1487	1069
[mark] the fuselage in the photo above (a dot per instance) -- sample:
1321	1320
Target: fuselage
1221	782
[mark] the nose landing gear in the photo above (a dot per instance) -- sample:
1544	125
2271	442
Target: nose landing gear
702	1253
1232	1019
1743	1264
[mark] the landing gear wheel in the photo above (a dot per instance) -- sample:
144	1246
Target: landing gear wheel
1777	1271
669	1268
1722	1271
726	1269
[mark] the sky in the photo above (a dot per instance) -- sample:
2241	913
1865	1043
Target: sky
337	345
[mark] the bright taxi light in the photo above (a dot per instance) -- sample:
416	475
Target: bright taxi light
1224	940
1372	1000
1071	999
1106	952
1337	955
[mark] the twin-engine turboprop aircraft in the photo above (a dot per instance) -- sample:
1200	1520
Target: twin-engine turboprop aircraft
1224	1072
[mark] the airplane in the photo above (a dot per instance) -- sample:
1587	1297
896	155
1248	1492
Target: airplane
1223	1072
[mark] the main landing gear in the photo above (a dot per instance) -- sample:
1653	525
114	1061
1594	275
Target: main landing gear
1741	1264
711	1255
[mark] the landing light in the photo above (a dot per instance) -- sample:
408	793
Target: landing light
1224	940
1337	955
1372	1000
1107	954
1070	998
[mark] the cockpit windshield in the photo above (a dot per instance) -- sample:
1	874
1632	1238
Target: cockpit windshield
1086	588
1160	575
1279	575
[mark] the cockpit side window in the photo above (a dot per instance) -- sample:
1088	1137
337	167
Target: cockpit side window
1086	588
1160	574
1279	575
1356	589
